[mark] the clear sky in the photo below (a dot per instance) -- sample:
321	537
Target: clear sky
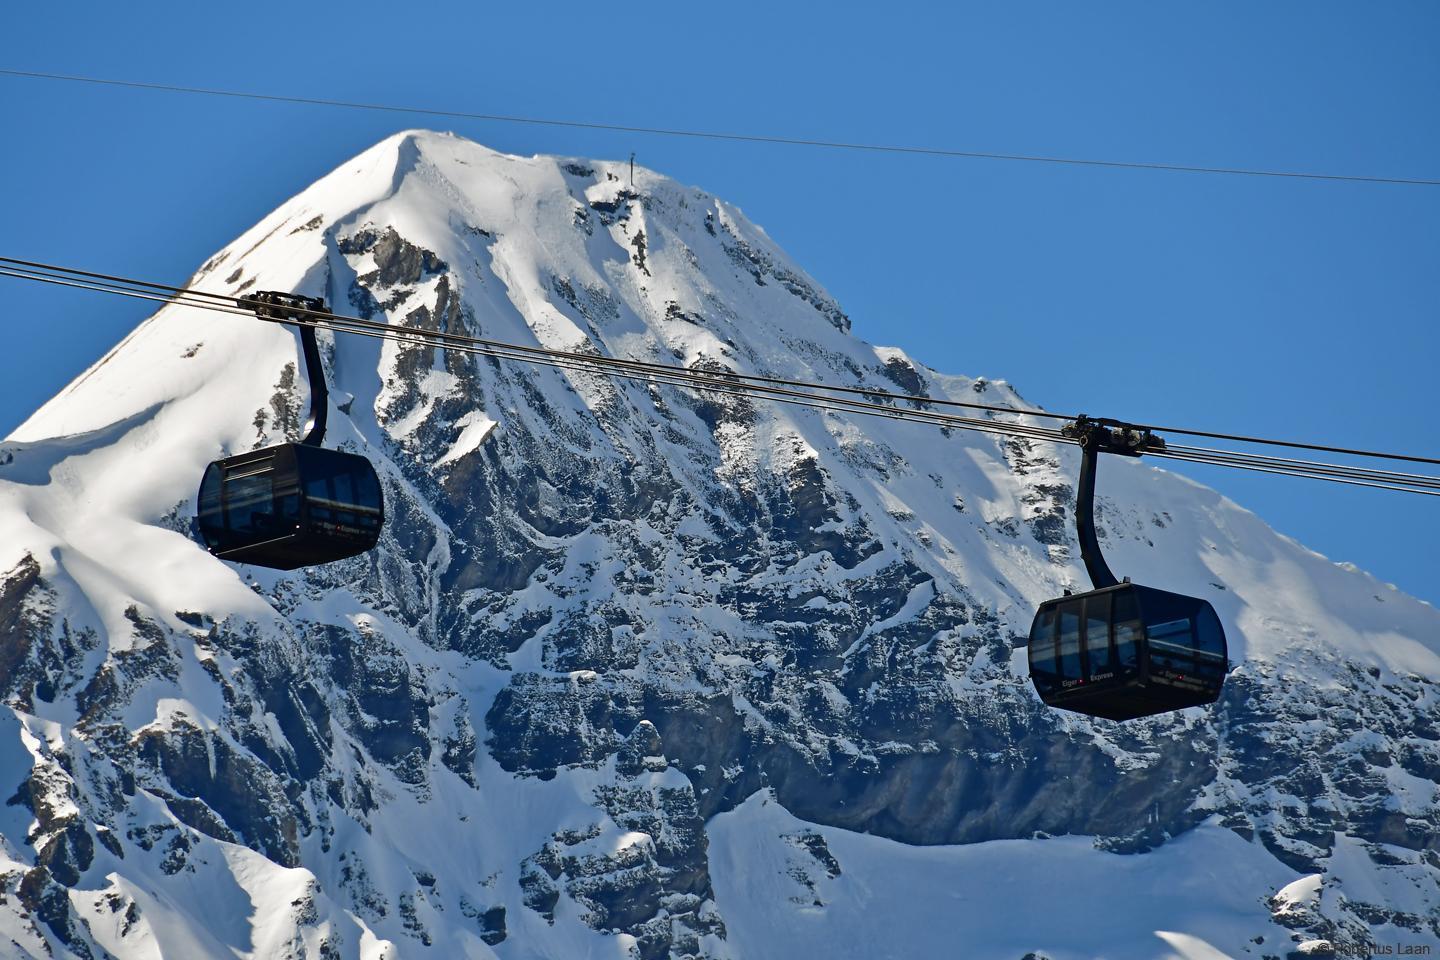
1286	308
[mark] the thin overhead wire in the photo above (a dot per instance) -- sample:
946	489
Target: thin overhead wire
726	136
718	382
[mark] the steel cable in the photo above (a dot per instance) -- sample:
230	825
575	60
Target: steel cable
726	382
609	366
1348	469
808	385
749	377
1275	470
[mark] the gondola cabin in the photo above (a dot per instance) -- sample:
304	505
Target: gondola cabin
1127	651
292	505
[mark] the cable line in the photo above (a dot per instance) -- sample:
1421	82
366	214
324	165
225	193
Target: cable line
719	382
1304	464
723	136
682	377
611	366
1293	444
918	400
1286	473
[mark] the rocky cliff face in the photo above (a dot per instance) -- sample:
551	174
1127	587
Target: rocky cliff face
604	612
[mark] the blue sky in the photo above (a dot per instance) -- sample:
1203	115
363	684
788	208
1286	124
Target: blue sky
1285	308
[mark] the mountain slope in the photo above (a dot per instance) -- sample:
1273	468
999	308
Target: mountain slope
604	613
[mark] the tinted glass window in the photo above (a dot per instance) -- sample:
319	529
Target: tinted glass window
367	487
1070	641
1097	633
317	482
1209	638
1172	645
1173	633
1127	630
249	511
287	510
342	489
208	507
1042	649
1210	642
346	480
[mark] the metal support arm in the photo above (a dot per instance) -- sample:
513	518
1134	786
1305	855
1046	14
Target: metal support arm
1095	565
294	309
1096	437
319	393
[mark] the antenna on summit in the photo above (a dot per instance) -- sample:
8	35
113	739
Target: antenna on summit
632	169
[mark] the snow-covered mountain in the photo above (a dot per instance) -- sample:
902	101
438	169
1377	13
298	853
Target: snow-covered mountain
640	672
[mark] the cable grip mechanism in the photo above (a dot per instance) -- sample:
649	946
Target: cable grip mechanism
1104	435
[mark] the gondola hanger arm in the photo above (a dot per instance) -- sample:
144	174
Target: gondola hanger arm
1097	436
291	308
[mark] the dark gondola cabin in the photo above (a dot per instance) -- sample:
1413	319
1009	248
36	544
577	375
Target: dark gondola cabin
288	506
1127	651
